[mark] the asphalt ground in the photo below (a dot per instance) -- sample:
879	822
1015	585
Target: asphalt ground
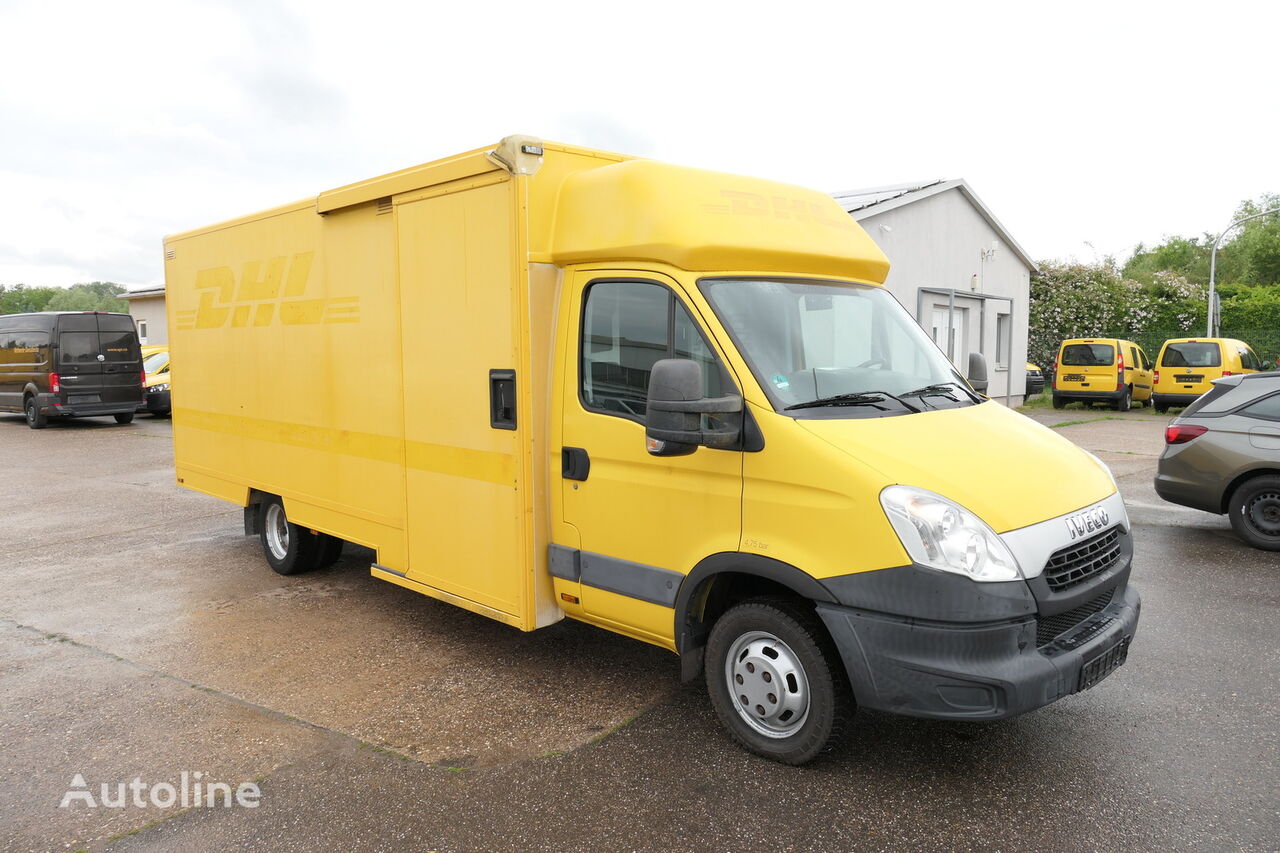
141	635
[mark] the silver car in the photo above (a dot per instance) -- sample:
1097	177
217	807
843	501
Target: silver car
1222	455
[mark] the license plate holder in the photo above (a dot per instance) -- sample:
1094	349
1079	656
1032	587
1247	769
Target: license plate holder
1103	664
1073	377
1188	378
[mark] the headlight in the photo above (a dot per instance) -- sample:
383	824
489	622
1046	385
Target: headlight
943	535
164	387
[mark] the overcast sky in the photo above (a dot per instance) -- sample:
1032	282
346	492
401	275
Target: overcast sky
1085	127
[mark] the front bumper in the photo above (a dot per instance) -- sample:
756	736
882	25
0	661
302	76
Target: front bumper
157	403
981	659
1035	384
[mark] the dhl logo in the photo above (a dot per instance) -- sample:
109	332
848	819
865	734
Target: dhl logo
738	203
269	291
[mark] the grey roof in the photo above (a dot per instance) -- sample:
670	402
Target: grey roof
866	203
143	293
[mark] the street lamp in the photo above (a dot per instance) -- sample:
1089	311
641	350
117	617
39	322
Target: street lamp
1212	330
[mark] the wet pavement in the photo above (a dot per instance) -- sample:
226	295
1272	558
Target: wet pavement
141	635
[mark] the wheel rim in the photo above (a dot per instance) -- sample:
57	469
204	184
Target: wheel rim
31	411
277	527
1263	513
768	684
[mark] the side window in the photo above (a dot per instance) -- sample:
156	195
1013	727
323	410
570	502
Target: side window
627	326
1134	362
1267	407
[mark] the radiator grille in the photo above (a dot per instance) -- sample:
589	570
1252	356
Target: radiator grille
1079	562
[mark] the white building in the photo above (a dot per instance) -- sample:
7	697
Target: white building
148	311
957	270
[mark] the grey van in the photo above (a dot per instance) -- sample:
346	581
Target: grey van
69	364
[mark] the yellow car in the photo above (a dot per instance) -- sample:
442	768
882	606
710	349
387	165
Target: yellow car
1105	370
156	388
1186	367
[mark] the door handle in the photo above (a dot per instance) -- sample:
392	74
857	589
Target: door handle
575	464
502	399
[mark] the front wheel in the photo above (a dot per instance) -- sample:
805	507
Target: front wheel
776	681
1255	512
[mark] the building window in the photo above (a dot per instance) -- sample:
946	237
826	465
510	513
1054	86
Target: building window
1004	339
142	331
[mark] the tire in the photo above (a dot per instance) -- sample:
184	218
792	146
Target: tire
1161	408
1058	402
35	418
289	549
1255	512
329	551
772	642
125	418
1125	403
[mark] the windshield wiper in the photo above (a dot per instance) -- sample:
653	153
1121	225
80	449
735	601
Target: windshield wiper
940	389
864	398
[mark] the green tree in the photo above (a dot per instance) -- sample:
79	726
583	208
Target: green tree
20	299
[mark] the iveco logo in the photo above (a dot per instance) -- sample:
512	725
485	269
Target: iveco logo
1089	521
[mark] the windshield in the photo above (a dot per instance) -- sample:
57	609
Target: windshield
155	361
807	341
1088	355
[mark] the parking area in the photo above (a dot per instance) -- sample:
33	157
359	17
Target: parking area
143	636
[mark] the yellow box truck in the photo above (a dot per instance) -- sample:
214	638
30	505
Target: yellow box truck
544	381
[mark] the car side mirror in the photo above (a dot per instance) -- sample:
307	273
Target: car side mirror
978	372
673	419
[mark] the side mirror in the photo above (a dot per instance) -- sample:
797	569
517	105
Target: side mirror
978	372
675	409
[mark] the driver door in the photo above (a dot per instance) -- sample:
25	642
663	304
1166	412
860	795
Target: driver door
643	521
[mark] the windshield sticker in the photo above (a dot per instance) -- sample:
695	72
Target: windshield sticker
781	382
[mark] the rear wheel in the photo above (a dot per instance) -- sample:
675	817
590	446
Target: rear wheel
1125	402
776	681
1255	512
125	418
35	418
289	549
1162	408
1058	402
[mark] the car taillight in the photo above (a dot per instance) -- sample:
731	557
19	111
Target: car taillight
55	383
1182	433
1227	373
1120	362
144	378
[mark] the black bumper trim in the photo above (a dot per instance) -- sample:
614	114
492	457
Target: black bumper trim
987	669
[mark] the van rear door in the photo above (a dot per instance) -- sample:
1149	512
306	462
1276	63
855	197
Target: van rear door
122	359
98	359
1087	365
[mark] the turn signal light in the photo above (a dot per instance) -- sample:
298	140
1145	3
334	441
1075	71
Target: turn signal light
1182	433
